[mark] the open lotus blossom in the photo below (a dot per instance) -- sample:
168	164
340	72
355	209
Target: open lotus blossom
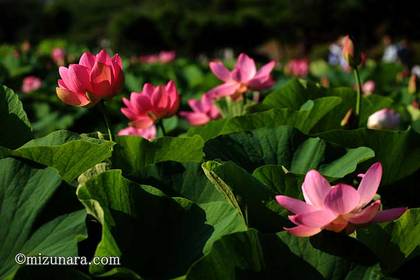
204	111
96	77
151	104
298	67
161	57
384	119
148	133
338	207
58	55
242	78
30	84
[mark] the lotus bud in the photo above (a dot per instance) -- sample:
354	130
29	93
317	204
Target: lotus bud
412	84
350	52
384	119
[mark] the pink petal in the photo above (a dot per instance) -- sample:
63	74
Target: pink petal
175	101
294	205
142	122
101	72
259	84
318	219
116	61
147	133
141	103
174	98
82	77
262	79
101	78
265	70
128	113
127	102
303	231
370	183
389	215
225	89
117	72
170	87
75	77
148	89
342	199
72	98
160	100
246	67
88	60
214	113
196	105
315	187
210	107
102	90
206	102
220	71
366	215
62	84
195	118
128	131
104	58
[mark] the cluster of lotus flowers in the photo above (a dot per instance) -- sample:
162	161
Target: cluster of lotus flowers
99	77
337	208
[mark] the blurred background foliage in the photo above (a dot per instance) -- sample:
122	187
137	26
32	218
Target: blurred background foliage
202	26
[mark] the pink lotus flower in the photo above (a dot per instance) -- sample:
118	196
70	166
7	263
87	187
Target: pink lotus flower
148	133
203	111
242	78
30	84
338	207
368	87
384	119
58	55
93	79
161	57
151	104
298	67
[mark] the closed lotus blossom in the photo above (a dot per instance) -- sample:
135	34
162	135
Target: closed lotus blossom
368	87
242	78
96	77
204	111
148	133
298	67
384	119
30	84
161	57
337	208
151	104
349	52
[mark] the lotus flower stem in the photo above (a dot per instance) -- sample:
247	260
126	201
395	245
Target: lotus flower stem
359	90
162	127
103	111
